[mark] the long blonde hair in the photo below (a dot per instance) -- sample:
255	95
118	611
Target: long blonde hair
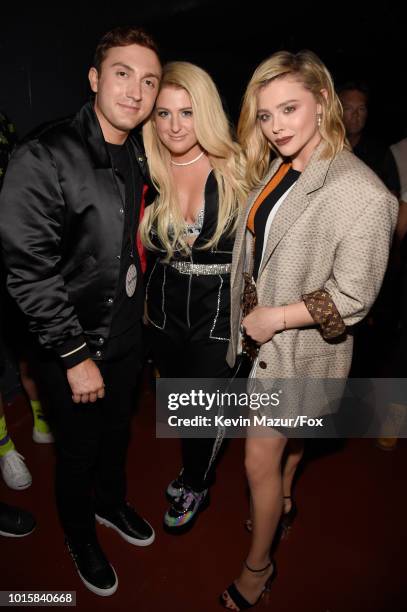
313	74
214	136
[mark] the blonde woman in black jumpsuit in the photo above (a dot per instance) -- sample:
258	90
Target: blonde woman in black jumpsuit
189	231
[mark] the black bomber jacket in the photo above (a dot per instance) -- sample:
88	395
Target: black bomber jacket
61	228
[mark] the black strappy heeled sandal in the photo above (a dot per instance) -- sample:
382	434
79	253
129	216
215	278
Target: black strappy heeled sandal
286	521
237	598
287	518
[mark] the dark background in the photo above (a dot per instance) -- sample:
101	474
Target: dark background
45	54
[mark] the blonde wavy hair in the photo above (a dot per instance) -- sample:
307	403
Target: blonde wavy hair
313	74
214	135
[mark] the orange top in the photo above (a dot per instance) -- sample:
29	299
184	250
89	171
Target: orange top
271	185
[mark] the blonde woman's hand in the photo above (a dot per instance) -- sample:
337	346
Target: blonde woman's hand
263	322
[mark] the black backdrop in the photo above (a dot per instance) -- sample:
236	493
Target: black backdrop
45	54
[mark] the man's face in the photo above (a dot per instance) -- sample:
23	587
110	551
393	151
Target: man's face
354	104
126	88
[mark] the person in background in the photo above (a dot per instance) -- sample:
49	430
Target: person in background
399	151
14	522
8	139
12	466
354	97
373	336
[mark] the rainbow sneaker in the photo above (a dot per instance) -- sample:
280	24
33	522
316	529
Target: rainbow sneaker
185	508
176	486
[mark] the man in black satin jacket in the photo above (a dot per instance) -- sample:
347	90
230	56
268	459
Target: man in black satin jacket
69	213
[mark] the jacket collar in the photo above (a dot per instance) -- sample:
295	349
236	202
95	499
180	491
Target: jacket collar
94	140
311	179
211	210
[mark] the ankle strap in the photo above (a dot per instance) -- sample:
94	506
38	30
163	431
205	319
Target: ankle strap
286	496
257	570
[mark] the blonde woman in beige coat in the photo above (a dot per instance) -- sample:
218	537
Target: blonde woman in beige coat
314	242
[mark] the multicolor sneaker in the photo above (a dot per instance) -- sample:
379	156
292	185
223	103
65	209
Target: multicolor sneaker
176	486
185	507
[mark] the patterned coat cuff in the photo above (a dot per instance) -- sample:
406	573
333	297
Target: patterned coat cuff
325	314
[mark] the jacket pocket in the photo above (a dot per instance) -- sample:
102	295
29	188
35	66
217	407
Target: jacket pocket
155	296
327	365
220	328
76	268
80	281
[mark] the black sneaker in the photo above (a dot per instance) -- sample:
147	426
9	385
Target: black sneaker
15	522
175	487
130	525
93	568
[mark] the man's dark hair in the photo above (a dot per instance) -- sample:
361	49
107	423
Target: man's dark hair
123	36
355	85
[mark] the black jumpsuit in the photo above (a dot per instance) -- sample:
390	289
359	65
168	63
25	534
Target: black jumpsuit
189	315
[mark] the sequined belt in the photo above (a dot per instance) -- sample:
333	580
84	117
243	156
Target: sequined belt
186	267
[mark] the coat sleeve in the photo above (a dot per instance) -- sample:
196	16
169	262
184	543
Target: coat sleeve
361	259
325	314
32	215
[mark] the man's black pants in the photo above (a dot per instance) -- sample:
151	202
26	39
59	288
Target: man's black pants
91	441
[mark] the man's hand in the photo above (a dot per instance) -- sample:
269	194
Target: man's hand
86	382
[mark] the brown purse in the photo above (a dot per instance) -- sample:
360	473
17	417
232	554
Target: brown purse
248	303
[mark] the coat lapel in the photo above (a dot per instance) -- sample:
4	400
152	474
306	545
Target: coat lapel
239	247
312	179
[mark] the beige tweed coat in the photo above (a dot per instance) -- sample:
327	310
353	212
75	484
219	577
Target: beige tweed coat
332	232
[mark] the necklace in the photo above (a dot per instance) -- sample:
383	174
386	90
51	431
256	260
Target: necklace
188	163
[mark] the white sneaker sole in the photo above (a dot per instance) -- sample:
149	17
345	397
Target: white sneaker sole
95	589
15	487
92	587
129	539
16	535
42	437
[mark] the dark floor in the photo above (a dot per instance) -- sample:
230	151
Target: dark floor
346	551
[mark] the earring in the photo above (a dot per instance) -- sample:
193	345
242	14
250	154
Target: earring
319	119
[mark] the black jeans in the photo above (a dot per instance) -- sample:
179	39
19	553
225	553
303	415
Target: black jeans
178	357
91	440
